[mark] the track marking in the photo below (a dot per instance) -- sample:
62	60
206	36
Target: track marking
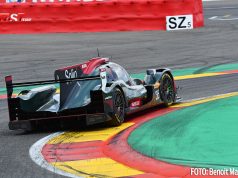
103	166
38	158
197	76
211	0
226	15
223	18
211	18
204	100
100	167
90	135
72	151
219	8
5	96
136	160
60	167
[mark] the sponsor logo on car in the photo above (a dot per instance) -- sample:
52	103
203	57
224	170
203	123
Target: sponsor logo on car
135	103
70	74
108	98
157	95
84	66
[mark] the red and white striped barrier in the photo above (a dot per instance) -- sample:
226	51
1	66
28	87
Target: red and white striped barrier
46	16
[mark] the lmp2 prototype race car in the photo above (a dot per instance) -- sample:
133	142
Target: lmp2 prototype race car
96	91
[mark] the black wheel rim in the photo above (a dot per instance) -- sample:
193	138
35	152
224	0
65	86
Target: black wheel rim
168	90
119	106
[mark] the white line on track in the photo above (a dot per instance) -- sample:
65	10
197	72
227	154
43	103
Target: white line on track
219	8
215	18
207	97
37	157
211	0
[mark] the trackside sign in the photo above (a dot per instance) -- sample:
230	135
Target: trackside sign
179	22
14	17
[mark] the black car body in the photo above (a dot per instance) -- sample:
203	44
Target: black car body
96	91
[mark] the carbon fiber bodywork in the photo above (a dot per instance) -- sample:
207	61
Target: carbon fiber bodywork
86	93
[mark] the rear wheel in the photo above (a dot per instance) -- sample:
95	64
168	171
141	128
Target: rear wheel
167	90
118	108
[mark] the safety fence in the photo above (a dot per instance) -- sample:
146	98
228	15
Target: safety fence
46	16
46	1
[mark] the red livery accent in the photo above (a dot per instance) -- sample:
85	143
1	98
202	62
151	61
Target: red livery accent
8	78
89	66
71	67
94	63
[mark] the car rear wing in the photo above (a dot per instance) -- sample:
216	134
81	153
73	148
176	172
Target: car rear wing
10	89
10	85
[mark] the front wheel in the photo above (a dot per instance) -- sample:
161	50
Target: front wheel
167	90
118	108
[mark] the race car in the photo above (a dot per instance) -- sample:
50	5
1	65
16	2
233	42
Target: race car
96	91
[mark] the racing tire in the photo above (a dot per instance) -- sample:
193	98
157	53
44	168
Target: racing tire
118	108
167	90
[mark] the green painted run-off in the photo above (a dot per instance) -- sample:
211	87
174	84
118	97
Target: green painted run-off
203	135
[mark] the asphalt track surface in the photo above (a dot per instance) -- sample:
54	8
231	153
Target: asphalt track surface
35	57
